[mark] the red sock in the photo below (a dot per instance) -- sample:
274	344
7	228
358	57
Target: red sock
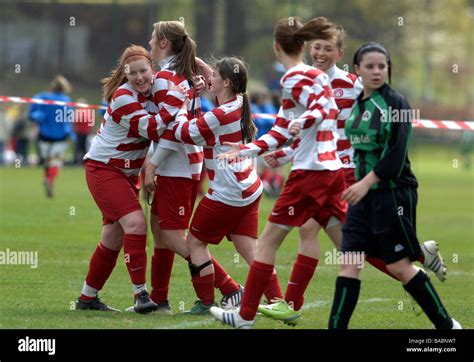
380	265
302	272
258	278
161	267
204	287
266	175
101	265
273	290
51	173
421	259
134	250
222	280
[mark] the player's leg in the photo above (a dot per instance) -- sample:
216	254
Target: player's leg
305	264
170	213
161	268
417	283
328	210
356	241
117	198
45	150
202	275
346	293
134	248
399	248
259	276
244	235
55	158
101	266
247	247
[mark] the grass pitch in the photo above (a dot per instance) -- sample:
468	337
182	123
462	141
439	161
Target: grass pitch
65	230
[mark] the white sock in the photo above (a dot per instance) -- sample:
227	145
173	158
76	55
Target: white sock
88	291
138	288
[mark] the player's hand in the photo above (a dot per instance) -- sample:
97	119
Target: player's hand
178	88
233	153
204	69
149	181
271	160
200	85
294	128
356	192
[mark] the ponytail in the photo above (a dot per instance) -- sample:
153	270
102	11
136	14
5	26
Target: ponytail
185	60
317	28
236	72
291	33
110	84
182	46
249	130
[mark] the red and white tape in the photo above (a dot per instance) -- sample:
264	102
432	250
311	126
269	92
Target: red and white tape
418	123
6	99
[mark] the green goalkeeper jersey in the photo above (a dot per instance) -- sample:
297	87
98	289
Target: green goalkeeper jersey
379	129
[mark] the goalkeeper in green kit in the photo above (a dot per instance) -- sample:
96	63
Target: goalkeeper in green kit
381	220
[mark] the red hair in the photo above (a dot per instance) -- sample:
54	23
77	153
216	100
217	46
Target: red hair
117	76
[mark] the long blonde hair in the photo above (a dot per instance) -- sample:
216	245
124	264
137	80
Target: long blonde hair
182	46
118	76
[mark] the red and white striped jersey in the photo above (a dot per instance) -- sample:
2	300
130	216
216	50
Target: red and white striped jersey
346	87
307	98
186	160
130	122
236	182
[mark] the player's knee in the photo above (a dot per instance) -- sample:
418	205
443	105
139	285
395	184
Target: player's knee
158	242
135	225
398	270
113	243
193	242
349	270
308	232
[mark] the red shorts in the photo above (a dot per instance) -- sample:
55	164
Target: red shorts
115	194
349	176
213	220
310	194
174	201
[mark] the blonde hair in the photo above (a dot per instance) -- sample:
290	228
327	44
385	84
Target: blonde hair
182	46
60	85
117	76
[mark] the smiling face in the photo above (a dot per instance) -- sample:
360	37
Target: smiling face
373	70
139	74
325	54
217	85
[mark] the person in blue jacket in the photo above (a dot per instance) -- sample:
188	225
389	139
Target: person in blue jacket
55	128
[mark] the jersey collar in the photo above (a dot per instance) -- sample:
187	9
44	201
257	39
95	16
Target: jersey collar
165	63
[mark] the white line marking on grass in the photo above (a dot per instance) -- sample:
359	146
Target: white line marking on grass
323	303
376	300
459	272
194	324
318	304
307	306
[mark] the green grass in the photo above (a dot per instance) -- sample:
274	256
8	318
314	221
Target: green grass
66	229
